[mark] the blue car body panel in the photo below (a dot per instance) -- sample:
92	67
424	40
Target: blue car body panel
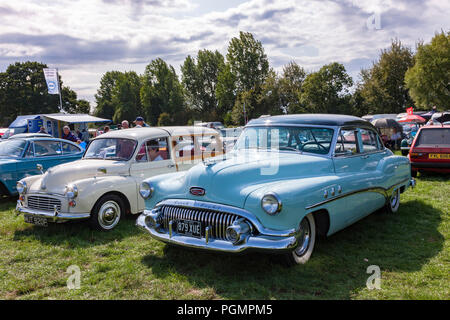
14	169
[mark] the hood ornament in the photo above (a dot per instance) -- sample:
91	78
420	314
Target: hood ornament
197	191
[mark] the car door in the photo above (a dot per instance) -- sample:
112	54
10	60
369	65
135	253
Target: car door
187	151
27	164
355	180
153	157
70	152
48	153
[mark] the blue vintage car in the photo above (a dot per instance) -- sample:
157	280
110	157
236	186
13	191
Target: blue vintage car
20	157
288	179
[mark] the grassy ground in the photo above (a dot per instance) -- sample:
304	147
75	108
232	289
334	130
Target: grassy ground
411	247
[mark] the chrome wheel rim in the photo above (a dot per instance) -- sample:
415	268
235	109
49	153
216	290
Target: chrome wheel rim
109	215
394	199
304	239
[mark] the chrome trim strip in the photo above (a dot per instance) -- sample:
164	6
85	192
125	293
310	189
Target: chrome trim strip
196	204
385	192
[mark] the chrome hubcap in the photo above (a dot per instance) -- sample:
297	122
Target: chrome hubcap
109	215
304	239
394	199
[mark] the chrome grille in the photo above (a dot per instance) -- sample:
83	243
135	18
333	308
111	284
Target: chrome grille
217	221
43	203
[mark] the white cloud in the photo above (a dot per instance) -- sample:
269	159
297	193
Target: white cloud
86	38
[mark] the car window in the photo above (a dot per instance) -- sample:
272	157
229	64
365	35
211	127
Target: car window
346	143
184	146
30	151
111	148
153	150
69	148
434	137
44	148
12	148
294	139
370	141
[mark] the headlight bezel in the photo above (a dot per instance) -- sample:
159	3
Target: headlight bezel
21	187
71	191
146	190
268	201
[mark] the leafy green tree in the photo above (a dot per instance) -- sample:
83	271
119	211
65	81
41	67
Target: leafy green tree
103	98
291	84
383	86
162	92
200	80
226	93
125	97
248	61
164	119
327	90
23	91
428	80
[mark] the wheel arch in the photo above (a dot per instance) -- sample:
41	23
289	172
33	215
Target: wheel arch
126	202
322	221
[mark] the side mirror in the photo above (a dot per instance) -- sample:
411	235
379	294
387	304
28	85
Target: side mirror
40	168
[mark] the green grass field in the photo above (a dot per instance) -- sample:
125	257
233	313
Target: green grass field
411	247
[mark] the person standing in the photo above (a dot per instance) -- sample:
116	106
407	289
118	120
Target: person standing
140	122
125	124
68	135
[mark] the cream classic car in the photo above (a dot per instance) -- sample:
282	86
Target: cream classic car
104	184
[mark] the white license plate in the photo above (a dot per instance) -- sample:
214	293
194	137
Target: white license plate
189	228
39	221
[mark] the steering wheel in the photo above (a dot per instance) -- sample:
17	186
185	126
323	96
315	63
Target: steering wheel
316	143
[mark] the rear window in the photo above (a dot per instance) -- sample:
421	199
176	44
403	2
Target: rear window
434	137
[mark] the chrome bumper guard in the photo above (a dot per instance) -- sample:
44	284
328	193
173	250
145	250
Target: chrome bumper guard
54	216
259	242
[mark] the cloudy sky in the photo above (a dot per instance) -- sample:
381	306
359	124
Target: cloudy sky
86	38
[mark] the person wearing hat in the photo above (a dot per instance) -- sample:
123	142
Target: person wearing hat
140	122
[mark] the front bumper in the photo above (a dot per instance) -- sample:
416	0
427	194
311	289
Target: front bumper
53	216
260	242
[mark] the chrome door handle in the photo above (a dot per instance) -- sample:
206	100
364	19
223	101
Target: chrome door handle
170	166
365	157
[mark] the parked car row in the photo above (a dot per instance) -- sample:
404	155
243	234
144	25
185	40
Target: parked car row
287	179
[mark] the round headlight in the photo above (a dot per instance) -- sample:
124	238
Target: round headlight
71	191
271	203
21	187
145	190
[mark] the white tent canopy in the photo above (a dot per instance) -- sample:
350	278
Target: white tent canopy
75	118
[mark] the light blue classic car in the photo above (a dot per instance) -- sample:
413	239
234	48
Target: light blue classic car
30	155
288	179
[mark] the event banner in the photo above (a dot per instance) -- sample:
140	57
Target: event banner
51	77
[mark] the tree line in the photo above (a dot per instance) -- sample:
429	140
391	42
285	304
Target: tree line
213	87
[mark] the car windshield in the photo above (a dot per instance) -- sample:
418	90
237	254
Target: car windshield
12	148
111	149
434	137
296	139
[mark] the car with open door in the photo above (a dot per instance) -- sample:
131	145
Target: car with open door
104	184
288	179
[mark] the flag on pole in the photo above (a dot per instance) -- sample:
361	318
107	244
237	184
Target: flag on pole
51	77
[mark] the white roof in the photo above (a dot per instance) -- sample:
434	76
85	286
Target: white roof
75	118
149	132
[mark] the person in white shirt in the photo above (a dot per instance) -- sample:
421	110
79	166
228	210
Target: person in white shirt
153	151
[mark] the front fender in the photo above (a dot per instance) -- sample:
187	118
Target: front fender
296	195
91	189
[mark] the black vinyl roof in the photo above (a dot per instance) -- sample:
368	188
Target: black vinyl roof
315	119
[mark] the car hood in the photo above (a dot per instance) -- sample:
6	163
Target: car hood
56	178
231	179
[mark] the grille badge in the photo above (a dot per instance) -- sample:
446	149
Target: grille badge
196	191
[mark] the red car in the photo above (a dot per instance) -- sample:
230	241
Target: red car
430	150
